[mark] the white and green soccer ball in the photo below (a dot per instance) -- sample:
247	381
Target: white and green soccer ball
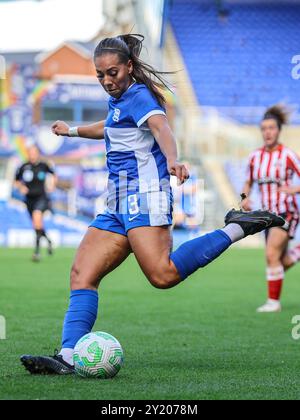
98	355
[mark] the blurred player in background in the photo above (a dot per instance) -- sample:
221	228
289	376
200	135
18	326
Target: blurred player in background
273	168
141	156
31	182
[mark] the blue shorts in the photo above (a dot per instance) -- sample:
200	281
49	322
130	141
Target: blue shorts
137	210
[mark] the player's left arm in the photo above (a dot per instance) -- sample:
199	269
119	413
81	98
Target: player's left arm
291	190
294	164
162	133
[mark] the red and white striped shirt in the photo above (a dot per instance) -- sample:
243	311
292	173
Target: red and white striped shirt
272	170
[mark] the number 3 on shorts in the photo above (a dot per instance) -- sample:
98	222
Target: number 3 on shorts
133	205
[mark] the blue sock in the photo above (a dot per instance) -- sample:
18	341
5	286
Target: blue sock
80	317
199	252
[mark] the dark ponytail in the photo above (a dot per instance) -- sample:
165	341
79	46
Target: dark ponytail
278	113
129	47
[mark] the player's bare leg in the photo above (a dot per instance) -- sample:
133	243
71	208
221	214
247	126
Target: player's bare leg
291	257
277	243
99	253
37	222
151	246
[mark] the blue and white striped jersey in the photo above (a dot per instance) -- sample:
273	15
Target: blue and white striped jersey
134	158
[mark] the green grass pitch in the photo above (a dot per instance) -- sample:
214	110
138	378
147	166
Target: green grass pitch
200	340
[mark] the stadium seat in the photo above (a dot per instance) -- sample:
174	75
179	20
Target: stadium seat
249	65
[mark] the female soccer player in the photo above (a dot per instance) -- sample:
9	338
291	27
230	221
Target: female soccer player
272	167
30	180
141	155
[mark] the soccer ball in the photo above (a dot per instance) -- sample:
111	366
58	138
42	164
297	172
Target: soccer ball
98	355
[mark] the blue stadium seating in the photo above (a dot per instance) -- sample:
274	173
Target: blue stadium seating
14	216
243	60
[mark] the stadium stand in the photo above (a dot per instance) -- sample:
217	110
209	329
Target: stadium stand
16	229
240	61
236	174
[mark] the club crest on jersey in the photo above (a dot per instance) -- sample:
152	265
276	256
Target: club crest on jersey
116	116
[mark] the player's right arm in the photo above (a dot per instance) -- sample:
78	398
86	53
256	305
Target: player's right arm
246	204
21	187
92	131
18	182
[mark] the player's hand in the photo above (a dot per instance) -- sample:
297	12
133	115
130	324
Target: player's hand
290	190
247	204
24	190
60	128
179	170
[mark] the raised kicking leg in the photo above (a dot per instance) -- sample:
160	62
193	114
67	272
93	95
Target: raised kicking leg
151	246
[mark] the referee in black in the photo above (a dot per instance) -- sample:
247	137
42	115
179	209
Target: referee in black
30	180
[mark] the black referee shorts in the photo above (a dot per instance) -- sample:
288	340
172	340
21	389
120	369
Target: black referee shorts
40	203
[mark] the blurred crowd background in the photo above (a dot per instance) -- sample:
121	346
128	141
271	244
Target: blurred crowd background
232	58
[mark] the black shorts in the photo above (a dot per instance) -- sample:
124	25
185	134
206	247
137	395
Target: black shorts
40	203
291	227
